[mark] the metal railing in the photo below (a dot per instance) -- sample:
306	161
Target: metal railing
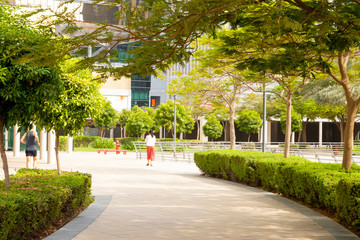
330	152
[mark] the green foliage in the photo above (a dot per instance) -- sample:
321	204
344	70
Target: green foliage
212	128
63	143
107	117
165	117
27	76
28	82
317	184
139	122
347	201
104	143
84	141
126	143
296	122
79	100
39	198
248	121
123	117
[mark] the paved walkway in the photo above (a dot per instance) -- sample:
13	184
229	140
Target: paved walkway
172	200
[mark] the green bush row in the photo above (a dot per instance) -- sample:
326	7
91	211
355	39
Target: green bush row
126	143
36	199
84	141
317	184
105	143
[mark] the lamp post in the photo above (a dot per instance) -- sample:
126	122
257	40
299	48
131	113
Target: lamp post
174	125
264	121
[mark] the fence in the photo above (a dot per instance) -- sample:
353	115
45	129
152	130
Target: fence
184	150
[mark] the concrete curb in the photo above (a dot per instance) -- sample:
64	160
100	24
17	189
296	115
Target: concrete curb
83	220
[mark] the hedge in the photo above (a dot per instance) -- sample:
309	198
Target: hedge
84	141
38	199
317	184
126	143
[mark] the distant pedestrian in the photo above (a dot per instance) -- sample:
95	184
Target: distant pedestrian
150	141
31	151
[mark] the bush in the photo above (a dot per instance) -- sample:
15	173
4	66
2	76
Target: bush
317	184
106	143
126	143
37	199
63	143
84	141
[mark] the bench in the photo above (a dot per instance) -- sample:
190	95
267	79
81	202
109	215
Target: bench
117	149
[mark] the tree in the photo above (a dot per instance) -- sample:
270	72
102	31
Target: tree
139	122
152	112
277	63
251	101
212	128
332	100
324	42
107	117
302	35
24	84
222	114
337	114
123	119
249	121
215	79
78	100
163	30
165	117
296	122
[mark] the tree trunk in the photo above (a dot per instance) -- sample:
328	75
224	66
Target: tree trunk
304	137
351	110
249	137
57	143
198	130
3	154
224	130
232	125
288	129
342	129
299	137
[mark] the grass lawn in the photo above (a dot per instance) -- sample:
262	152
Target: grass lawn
85	149
91	149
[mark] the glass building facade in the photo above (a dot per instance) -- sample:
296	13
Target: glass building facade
140	88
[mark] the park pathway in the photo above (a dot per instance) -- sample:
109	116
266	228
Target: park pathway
172	200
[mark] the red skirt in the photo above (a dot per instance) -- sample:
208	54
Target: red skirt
150	153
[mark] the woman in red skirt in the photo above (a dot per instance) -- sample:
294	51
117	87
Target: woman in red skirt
150	141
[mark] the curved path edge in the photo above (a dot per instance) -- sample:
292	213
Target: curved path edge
337	230
83	220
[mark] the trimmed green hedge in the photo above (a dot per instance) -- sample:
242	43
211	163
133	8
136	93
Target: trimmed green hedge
37	199
107	143
84	141
317	184
126	143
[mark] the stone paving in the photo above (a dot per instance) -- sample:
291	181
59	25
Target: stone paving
172	200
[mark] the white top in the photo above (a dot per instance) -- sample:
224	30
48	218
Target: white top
150	141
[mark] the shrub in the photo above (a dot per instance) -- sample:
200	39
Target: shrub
84	141
317	184
36	199
106	143
63	143
126	143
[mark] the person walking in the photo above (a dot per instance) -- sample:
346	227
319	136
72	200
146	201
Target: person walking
150	141
30	138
